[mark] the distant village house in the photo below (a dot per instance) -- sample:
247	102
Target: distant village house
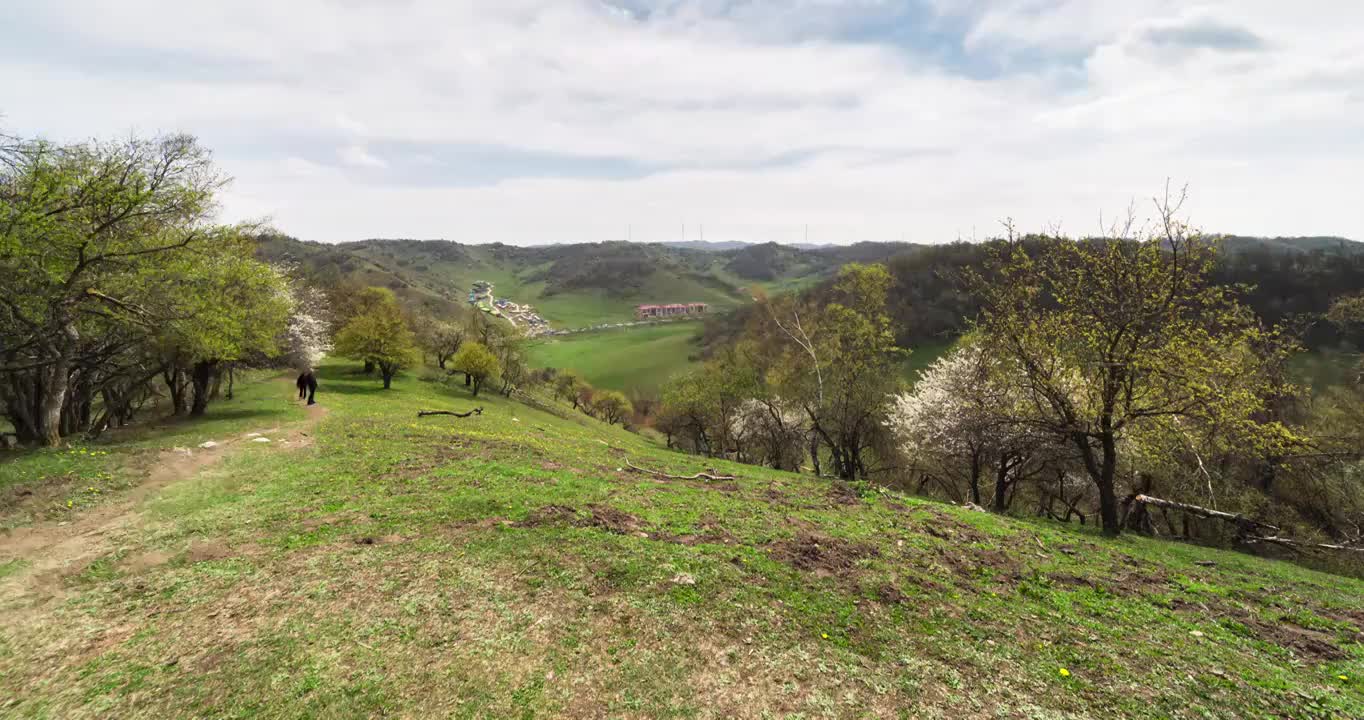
648	312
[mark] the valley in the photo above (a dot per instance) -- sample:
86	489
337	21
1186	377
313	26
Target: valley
681	360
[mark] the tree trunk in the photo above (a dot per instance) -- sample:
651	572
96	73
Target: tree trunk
369	367
53	397
477	383
1001	501
21	405
1108	499
1103	472
469	380
175	383
388	377
975	477
231	380
201	377
76	413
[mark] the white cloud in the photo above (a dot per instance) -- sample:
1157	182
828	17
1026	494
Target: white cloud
360	156
748	117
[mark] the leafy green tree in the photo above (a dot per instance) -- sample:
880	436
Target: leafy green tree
441	338
839	365
566	386
1347	313
85	230
691	410
226	306
351	300
611	407
380	336
510	351
1111	337
477	362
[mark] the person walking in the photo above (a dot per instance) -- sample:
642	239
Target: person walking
307	386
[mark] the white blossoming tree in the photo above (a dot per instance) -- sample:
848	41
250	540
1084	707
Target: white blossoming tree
308	338
961	420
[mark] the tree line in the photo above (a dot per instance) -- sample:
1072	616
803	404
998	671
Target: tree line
1087	373
119	292
118	287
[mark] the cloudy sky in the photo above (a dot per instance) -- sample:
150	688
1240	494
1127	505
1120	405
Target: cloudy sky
534	121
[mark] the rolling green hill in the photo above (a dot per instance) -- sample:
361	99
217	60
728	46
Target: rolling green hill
368	563
572	286
639	358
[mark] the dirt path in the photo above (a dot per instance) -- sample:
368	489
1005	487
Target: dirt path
55	550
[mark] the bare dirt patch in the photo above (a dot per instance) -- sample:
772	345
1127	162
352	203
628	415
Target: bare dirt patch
146	561
888	594
1314	644
978	564
200	551
389	539
945	527
841	493
603	517
821	555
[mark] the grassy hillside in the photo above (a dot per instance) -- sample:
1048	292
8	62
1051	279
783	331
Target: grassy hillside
573	286
633	358
369	563
645	358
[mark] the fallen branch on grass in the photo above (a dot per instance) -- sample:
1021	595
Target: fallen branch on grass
1246	525
697	476
475	411
1240	521
1295	544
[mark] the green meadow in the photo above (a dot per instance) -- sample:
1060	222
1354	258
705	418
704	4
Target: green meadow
369	563
631	358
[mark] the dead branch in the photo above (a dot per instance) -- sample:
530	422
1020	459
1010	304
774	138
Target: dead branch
1294	544
475	411
1241	521
697	476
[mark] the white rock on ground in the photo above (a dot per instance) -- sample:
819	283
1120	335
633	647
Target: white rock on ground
208	444
260	439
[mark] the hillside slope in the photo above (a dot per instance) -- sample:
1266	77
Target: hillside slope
573	286
570	285
371	563
639	358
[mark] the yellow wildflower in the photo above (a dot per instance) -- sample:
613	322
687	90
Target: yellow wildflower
1064	672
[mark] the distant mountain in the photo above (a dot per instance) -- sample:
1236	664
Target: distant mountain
588	283
707	246
1322	243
